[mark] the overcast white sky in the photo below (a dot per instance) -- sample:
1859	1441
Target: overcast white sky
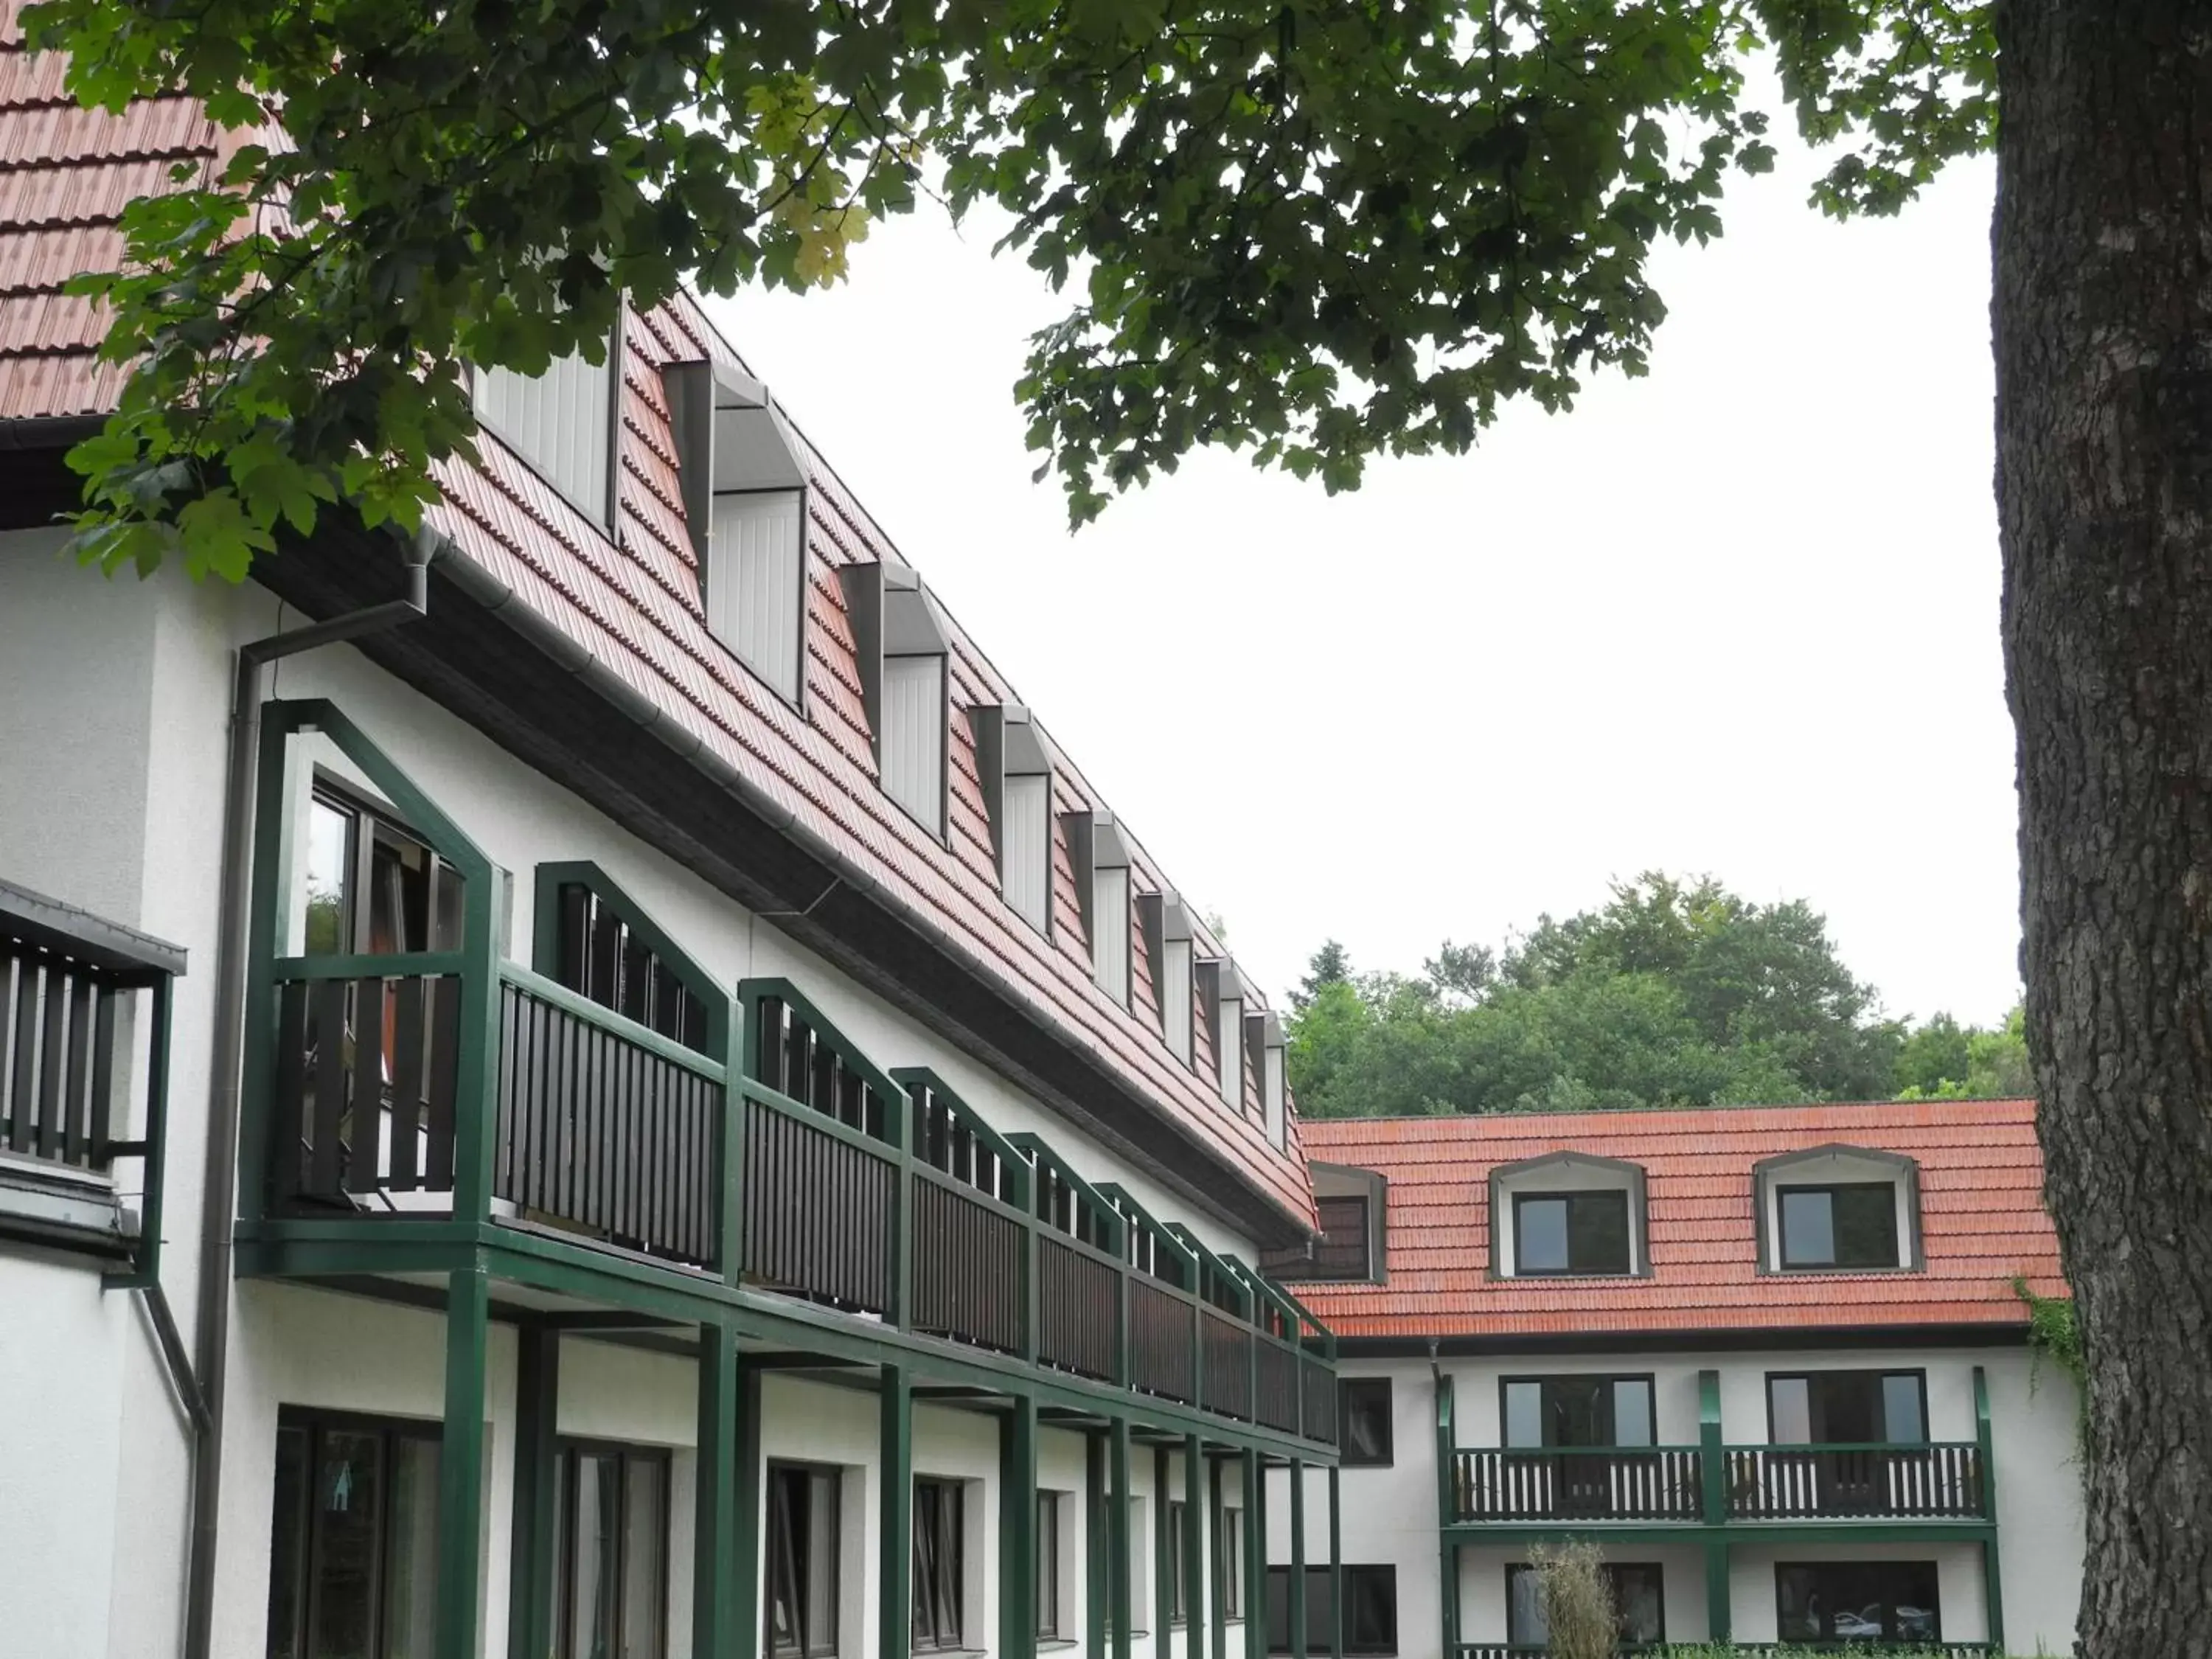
1739	616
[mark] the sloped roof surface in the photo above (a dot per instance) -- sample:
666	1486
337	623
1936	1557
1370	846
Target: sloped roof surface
1982	1221
632	599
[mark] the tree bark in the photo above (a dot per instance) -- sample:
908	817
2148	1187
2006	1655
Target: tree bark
2103	322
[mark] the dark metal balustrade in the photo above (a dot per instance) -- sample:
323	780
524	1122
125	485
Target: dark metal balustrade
1579	1483
1942	1480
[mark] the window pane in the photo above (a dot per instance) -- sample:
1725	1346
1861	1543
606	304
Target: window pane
819	1579
349	1516
645	1510
1525	1624
1578	1411
1866	1226
1598	1233
1799	1610
1047	1564
1901	1417
1843	1406
288	1544
591	1570
1364	1420
1639	1603
1232	1577
411	1574
786	1504
330	859
1524	1413
1790	1402
1809	1227
1371	1611
1631	1413
1539	1245
1341	1252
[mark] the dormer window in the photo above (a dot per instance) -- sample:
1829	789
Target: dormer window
1838	1209
901	642
1017	773
1350	1205
1229	998
1168	939
562	423
1101	857
743	475
1568	1215
1274	1087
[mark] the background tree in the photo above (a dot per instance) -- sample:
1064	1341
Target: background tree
1316	232
1671	994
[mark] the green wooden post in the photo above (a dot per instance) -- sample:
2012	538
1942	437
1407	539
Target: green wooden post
898	1111
536	1424
1018	1590
1163	1558
895	1573
744	1562
1094	1550
1296	1609
1255	1556
257	1069
1719	1612
1992	1576
1218	1580
1448	1595
1335	1564
461	1464
1030	1267
145	1269
730	1220
1119	1544
716	1566
476	1077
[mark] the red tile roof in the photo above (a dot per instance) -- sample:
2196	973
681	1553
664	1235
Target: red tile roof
1982	1221
631	600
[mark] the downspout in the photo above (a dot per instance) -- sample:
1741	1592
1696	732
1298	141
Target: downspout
219	1184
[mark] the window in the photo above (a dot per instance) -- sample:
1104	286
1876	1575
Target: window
600	956
1363	1421
1109	930
610	1554
1371	1609
912	740
1852	1226
562	423
1578	1411
1639	1605
1229	1034
353	1556
1178	1580
1228	1566
1047	1564
1857	1601
372	888
1848	1408
1578	1233
937	1569
802	1559
1349	1208
1028	846
756	585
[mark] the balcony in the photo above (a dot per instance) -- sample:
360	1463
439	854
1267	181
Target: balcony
872	1193
1860	1649
1713	1484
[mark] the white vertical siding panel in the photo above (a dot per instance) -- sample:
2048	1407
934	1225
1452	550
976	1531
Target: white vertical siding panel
1028	843
1175	998
913	736
559	422
1273	1092
1109	931
1229	1051
756	583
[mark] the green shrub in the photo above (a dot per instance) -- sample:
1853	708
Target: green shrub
1578	1601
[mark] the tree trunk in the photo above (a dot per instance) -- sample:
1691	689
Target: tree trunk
2103	322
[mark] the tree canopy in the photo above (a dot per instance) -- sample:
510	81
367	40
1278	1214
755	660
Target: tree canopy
1315	232
1673	993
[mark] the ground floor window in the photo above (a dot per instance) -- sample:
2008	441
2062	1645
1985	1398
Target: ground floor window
352	1550
1178	1580
1047	1564
610	1553
1229	1565
1639	1603
1370	1610
802	1561
1857	1601
937	1564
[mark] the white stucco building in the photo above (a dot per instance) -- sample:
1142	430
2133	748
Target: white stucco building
1771	1359
593	1082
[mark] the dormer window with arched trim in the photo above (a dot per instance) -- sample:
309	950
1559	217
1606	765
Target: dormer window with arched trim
1838	1209
1568	1215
